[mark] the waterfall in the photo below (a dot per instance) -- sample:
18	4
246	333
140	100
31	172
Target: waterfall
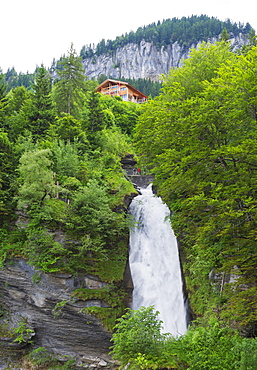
154	262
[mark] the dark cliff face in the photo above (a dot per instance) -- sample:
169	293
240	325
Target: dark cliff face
64	331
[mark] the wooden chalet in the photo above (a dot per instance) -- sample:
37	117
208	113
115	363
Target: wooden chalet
122	89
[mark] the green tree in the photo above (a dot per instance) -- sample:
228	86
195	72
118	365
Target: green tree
65	158
199	138
124	114
3	100
36	178
224	36
95	120
3	86
42	112
137	332
17	97
91	216
16	120
67	128
7	177
252	41
210	347
70	86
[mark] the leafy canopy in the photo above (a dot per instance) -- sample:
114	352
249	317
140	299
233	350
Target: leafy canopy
199	138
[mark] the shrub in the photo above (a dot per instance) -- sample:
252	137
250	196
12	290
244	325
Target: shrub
137	332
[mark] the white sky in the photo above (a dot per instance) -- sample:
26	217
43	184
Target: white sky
34	32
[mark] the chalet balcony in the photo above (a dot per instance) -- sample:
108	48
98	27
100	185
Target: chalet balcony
122	89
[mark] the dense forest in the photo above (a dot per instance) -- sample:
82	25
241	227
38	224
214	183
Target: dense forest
60	169
13	79
61	146
186	31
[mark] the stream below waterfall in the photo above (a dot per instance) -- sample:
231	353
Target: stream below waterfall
154	262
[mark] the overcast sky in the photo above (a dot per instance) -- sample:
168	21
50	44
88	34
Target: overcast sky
34	32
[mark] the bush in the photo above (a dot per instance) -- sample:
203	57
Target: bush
138	343
209	347
246	350
137	332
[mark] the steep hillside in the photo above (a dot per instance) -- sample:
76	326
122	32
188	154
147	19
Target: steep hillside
144	60
156	48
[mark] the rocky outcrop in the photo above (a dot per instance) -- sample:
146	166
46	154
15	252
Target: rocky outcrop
46	303
144	60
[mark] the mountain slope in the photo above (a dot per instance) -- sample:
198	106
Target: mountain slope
144	60
156	48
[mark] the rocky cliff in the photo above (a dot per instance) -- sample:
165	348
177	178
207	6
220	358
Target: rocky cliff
144	60
46	304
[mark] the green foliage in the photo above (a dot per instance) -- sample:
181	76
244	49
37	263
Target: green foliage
112	141
247	349
13	79
6	175
186	31
43	251
198	137
139	344
95	121
112	296
42	112
121	113
17	97
137	332
57	310
23	332
36	177
65	158
91	217
11	243
209	348
67	128
3	86
146	86
252	41
4	246
41	357
62	187
224	36
70	85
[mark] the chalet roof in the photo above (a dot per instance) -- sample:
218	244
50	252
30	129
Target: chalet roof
109	82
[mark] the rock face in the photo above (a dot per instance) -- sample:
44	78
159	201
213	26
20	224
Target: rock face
65	331
144	60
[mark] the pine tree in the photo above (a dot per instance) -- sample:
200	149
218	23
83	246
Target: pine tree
3	86
96	119
224	36
42	111
70	87
3	100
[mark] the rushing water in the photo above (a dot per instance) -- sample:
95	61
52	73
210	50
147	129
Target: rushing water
154	262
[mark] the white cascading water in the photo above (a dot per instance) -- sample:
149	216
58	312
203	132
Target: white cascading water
154	262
